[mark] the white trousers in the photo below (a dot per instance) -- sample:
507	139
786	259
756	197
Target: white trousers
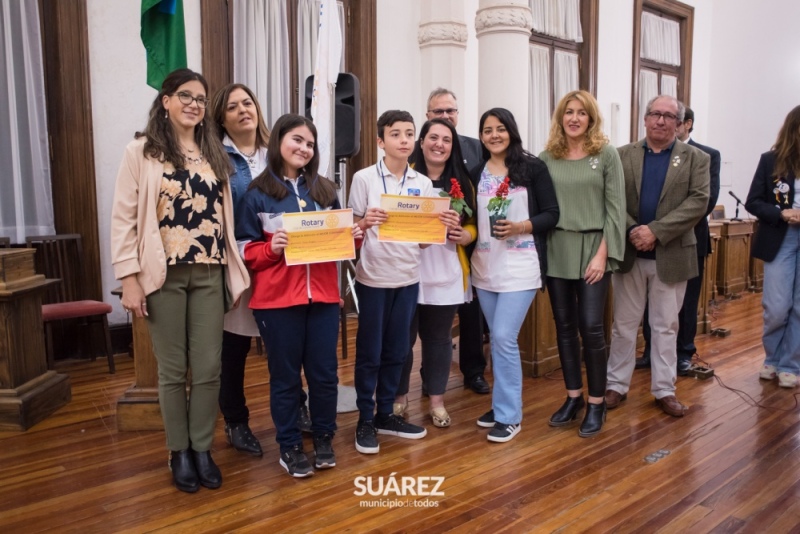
632	291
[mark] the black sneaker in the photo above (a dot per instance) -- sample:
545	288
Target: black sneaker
397	426
487	419
366	438
323	452
303	419
296	462
503	432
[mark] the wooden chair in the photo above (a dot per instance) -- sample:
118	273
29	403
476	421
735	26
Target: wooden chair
5	242
61	256
718	212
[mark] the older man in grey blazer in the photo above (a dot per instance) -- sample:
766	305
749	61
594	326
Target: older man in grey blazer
666	189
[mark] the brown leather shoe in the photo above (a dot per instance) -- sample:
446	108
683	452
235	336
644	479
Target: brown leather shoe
670	406
613	398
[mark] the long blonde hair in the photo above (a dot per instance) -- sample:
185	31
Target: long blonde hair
594	139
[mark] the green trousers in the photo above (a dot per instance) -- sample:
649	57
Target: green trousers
185	322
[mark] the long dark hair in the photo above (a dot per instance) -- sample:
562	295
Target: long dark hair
162	143
453	168
220	103
787	146
271	181
517	158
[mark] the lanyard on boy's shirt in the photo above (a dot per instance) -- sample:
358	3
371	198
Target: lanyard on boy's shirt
383	178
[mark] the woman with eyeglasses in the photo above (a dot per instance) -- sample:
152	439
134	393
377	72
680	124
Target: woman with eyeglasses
240	123
444	269
774	200
516	208
173	248
585	246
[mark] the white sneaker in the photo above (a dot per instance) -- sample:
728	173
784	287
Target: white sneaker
767	372
787	380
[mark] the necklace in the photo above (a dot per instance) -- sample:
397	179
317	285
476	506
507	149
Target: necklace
251	158
196	161
300	201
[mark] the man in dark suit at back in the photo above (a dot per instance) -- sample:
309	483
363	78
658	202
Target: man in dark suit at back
442	104
687	321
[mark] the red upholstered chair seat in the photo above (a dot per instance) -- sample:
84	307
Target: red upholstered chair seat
74	309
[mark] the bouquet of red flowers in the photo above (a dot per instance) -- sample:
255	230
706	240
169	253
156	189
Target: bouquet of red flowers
457	202
498	204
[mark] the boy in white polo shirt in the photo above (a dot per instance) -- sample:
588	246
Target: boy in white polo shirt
387	283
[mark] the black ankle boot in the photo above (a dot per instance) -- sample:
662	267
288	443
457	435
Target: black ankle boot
568	411
594	419
207	470
242	439
184	474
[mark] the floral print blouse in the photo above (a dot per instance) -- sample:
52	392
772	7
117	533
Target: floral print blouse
190	216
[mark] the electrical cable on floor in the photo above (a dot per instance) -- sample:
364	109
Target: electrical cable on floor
742	394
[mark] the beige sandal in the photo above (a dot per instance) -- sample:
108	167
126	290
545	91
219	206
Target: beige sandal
400	409
440	417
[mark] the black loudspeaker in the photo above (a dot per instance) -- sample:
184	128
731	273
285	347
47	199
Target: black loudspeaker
348	113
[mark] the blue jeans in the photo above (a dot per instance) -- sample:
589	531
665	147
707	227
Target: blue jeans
781	302
382	343
504	314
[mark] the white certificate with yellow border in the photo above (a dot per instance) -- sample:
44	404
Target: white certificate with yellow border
319	236
413	219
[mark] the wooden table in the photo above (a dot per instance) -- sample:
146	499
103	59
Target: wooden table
28	391
138	407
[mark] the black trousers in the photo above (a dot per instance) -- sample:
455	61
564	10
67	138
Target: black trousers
471	360
687	318
232	402
579	307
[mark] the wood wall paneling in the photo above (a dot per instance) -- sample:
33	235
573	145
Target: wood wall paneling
69	122
215	31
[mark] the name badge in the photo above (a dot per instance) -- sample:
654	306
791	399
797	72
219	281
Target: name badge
412	192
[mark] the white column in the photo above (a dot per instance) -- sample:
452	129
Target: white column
503	28
442	39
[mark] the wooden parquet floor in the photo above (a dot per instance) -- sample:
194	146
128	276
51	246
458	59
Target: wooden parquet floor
731	467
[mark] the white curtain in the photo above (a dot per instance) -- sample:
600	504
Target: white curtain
669	85
565	73
539	98
557	18
307	29
661	39
648	89
261	54
26	201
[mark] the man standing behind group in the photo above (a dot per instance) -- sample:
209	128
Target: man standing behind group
687	320
442	104
666	189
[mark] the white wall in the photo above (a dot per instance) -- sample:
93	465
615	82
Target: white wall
399	58
754	83
121	99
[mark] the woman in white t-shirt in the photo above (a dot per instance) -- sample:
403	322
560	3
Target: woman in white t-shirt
509	260
444	269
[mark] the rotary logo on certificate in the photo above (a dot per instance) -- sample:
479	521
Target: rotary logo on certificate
319	236
413	219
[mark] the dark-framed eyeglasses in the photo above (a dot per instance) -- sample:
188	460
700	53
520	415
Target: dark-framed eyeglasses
187	99
668	117
439	112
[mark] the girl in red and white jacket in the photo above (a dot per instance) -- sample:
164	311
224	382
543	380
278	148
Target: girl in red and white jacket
296	307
